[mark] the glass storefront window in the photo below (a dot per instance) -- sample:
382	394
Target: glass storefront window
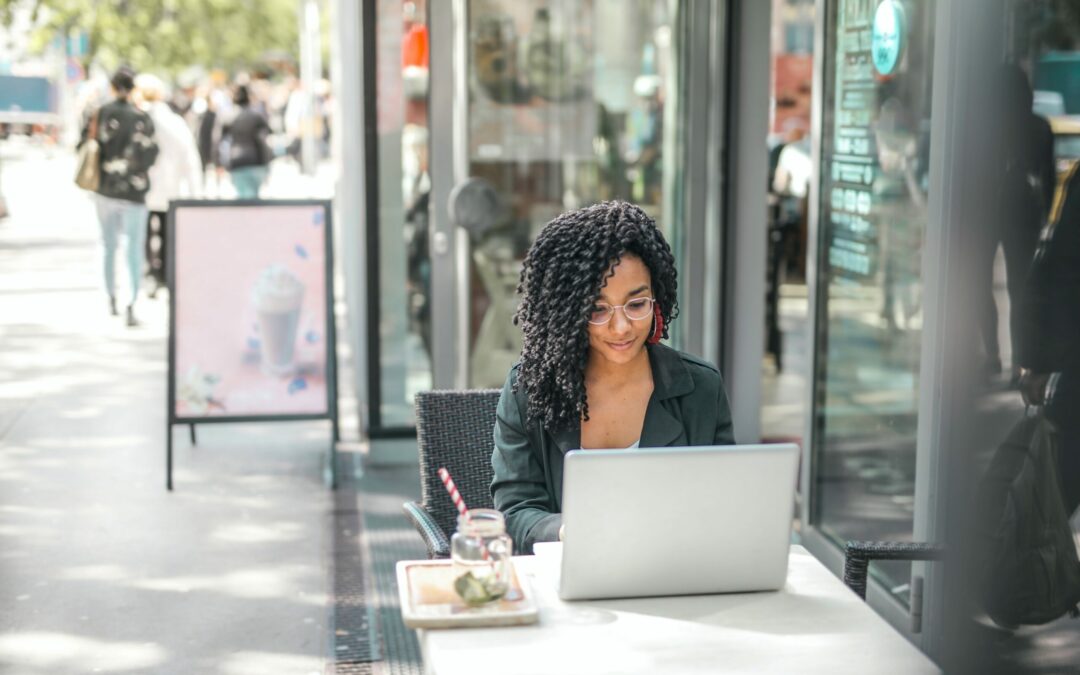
874	167
785	369
401	111
570	103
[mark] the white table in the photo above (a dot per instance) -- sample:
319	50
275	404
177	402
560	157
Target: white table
814	625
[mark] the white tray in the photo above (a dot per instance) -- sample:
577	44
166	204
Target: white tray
428	599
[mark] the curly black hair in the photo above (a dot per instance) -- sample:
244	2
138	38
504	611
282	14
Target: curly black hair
561	278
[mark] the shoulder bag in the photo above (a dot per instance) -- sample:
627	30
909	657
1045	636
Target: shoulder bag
88	173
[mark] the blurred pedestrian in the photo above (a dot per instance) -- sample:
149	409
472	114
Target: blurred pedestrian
176	173
244	148
207	129
1050	321
128	150
1024	190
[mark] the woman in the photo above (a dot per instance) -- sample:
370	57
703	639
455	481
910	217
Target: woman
128	150
598	293
176	173
244	147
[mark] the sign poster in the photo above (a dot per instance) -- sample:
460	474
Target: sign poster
853	244
252	327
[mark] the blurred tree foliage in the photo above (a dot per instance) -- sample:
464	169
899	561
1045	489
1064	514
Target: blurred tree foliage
168	36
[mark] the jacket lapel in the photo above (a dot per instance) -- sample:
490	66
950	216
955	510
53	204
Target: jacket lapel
567	439
670	380
661	427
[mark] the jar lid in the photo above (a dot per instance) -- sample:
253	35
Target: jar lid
482	523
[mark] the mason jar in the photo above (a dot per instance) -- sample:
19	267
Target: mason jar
480	553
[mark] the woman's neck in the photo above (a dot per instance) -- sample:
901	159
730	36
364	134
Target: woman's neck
599	369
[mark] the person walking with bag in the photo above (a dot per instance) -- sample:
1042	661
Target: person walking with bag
244	147
1051	325
1031	571
122	137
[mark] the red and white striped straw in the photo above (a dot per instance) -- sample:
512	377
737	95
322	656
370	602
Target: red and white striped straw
455	497
448	482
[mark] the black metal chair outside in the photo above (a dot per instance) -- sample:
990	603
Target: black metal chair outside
454	429
858	554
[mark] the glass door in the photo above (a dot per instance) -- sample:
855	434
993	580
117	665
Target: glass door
874	189
538	107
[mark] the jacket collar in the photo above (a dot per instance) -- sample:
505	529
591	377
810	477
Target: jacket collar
671	378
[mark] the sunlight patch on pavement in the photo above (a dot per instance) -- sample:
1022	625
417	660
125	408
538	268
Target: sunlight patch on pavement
249	533
93	443
94	573
83	413
280	582
19	532
58	651
21	510
20	451
266	663
44	385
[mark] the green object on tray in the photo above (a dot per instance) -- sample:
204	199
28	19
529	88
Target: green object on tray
476	592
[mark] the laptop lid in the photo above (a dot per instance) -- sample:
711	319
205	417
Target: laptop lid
677	521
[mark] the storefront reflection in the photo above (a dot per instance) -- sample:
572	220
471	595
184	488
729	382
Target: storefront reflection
567	107
875	150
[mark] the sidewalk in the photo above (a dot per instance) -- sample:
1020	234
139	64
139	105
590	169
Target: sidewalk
102	570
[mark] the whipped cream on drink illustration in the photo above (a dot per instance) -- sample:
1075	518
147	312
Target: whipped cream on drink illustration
278	297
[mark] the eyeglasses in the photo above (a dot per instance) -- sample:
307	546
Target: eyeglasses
635	310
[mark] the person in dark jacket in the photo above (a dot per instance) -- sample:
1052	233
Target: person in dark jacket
248	155
128	150
1024	188
598	293
1051	325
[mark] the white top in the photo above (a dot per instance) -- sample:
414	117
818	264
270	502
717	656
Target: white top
177	171
814	625
634	446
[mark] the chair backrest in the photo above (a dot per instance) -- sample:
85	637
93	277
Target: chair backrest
455	429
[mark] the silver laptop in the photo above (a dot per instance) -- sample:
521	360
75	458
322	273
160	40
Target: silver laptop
677	521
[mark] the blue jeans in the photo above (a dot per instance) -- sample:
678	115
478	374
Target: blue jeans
117	217
248	179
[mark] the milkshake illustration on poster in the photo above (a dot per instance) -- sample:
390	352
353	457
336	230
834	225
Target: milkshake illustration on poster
250	322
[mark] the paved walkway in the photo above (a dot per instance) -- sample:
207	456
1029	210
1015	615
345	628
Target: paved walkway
102	570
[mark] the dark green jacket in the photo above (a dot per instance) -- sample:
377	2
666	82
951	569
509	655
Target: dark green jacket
688	407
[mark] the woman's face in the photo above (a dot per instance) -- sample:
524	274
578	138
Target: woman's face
621	340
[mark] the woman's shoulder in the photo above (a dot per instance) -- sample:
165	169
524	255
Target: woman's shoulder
699	365
514	400
692	380
695	366
511	390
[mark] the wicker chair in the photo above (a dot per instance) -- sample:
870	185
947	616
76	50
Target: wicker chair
453	430
858	554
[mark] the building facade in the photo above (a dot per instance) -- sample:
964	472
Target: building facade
838	179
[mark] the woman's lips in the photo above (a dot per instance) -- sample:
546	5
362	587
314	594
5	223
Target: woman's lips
621	346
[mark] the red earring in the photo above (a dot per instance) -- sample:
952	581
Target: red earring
658	325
